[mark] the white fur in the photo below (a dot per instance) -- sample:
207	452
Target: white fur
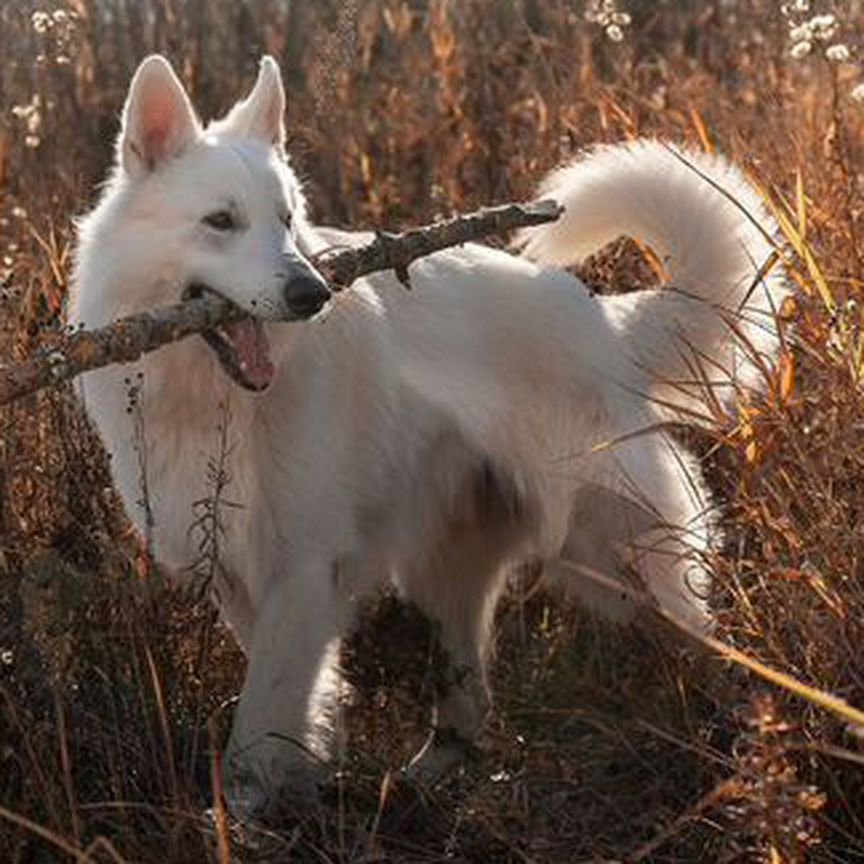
712	233
433	437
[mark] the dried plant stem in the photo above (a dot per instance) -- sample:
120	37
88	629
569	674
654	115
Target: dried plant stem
853	716
126	340
43	833
841	151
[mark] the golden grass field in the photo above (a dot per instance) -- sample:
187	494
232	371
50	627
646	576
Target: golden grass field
606	746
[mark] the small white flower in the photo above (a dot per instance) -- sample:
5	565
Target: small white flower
822	21
824	26
838	53
41	22
22	112
857	94
606	14
795	8
801	49
801	33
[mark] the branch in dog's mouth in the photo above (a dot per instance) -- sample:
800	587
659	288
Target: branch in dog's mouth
124	341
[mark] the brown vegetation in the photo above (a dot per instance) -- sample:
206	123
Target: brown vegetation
626	746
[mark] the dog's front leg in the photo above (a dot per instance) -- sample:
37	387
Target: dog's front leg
284	724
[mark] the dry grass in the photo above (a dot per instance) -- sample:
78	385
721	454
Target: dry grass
629	746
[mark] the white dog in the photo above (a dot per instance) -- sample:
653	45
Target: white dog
494	413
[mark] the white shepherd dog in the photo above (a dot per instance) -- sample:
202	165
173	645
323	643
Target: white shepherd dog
496	412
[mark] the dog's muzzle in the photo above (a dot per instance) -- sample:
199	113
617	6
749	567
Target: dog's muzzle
242	348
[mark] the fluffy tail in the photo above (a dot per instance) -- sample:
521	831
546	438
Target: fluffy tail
713	235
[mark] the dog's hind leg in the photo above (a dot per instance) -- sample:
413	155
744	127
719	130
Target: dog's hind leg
602	525
458	590
667	540
458	583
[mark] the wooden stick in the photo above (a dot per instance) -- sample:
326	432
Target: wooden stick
125	340
397	251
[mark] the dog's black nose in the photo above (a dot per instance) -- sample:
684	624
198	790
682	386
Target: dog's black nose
305	291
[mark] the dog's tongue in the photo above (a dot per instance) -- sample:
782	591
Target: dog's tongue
253	351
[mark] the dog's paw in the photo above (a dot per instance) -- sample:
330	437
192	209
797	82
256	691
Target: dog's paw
253	795
444	752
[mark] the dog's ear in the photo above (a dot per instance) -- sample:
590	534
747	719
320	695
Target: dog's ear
158	119
261	114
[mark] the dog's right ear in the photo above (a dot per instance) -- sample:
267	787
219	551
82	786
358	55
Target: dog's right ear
158	120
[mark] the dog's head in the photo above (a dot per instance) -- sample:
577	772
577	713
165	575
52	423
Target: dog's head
193	209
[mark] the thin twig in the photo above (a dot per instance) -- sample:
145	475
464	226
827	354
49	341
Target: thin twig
124	341
840	708
45	834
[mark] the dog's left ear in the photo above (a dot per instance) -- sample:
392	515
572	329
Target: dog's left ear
261	114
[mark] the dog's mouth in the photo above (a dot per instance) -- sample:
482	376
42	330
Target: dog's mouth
241	348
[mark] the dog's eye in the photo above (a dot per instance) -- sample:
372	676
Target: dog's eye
286	219
221	220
